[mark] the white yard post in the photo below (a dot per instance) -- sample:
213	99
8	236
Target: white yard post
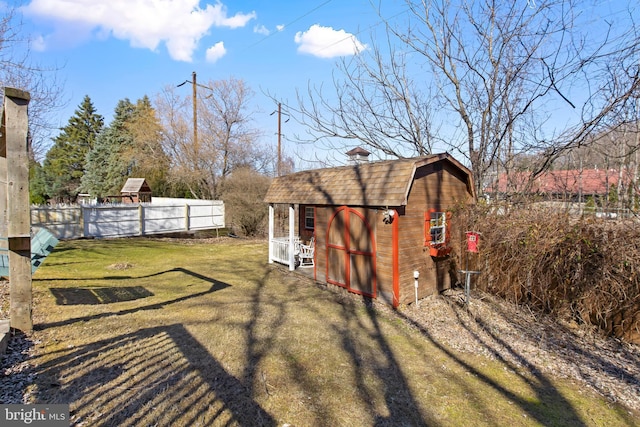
271	220
292	229
416	274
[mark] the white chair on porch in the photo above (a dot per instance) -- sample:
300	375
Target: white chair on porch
306	254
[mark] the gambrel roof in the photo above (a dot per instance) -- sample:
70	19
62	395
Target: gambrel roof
384	183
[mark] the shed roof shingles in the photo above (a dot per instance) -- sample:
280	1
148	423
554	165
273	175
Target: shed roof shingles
383	183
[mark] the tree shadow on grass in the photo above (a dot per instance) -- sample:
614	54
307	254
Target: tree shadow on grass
546	404
98	295
163	375
360	338
215	286
155	376
404	408
550	406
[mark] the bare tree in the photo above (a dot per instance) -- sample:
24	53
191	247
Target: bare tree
18	71
376	104
225	137
482	78
177	140
226	123
613	90
243	193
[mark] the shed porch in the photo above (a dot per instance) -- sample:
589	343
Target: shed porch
286	246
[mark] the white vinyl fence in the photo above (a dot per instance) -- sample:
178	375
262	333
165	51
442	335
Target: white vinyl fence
161	216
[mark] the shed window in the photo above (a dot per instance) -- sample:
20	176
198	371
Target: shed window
436	232
437	228
308	218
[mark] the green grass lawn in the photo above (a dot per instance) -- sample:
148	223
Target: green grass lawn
185	333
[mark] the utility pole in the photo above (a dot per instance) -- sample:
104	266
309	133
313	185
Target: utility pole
194	84
195	113
279	111
279	138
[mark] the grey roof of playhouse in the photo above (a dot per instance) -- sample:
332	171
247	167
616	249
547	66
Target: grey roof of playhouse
384	183
135	185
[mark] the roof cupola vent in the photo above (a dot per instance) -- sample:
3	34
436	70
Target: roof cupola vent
358	155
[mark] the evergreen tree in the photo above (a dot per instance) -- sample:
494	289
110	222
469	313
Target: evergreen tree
37	189
128	147
106	167
64	163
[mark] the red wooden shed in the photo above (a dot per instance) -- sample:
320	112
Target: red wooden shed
373	224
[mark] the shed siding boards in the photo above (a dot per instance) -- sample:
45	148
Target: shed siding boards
360	251
441	188
322	220
385	259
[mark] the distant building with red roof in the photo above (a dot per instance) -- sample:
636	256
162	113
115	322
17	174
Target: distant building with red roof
561	184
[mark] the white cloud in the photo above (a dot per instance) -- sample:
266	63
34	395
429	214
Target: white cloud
39	44
261	29
216	52
280	27
180	24
325	42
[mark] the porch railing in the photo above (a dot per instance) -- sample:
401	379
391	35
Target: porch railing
280	249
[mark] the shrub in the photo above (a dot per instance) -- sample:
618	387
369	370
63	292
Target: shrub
577	269
243	195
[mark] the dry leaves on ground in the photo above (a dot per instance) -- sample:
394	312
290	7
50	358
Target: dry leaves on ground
533	342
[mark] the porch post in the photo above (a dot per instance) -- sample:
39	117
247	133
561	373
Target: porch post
292	235
271	220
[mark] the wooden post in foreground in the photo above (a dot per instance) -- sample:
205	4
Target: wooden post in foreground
14	204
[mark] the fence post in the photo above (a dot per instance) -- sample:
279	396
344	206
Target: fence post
141	219
85	224
16	215
186	217
81	222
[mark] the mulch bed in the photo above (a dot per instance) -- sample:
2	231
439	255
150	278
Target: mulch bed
529	342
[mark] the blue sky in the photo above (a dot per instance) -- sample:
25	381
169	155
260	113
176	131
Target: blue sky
116	49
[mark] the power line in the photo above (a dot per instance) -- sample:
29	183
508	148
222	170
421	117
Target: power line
381	21
290	23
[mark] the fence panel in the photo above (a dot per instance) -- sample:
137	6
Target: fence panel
168	216
164	219
111	221
64	222
203	217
